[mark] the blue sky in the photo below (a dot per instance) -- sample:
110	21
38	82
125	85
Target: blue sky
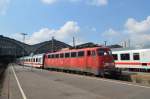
96	21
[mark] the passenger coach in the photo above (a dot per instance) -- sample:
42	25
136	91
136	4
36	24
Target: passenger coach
136	59
32	61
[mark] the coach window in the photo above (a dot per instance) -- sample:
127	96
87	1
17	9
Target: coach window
73	54
67	55
81	53
36	60
136	56
115	56
125	56
61	55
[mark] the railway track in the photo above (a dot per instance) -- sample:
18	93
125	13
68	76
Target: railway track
135	77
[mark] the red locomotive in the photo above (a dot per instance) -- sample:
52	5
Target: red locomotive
97	60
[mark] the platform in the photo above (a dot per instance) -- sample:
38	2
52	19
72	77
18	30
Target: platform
30	83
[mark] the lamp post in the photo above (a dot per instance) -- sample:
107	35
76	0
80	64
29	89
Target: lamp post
52	44
105	43
23	35
74	43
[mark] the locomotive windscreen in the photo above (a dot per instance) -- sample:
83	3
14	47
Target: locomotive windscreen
102	52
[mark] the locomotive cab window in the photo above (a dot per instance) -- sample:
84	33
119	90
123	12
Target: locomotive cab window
102	52
81	53
136	56
125	56
115	56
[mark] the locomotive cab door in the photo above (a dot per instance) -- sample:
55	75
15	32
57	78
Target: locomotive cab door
90	60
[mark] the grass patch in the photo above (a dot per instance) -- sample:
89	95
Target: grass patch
0	87
148	81
138	80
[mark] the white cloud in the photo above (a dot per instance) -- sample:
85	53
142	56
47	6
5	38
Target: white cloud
3	6
89	2
111	33
137	31
138	27
113	36
74	0
16	36
93	29
49	2
98	2
69	29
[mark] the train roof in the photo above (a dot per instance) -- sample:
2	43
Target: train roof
36	55
129	49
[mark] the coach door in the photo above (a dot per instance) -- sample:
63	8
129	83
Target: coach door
91	59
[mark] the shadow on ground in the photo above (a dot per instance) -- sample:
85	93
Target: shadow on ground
2	75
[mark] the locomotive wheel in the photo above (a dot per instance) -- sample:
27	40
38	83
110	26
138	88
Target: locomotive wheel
102	74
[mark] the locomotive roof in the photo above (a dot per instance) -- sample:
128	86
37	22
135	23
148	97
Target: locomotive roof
77	49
